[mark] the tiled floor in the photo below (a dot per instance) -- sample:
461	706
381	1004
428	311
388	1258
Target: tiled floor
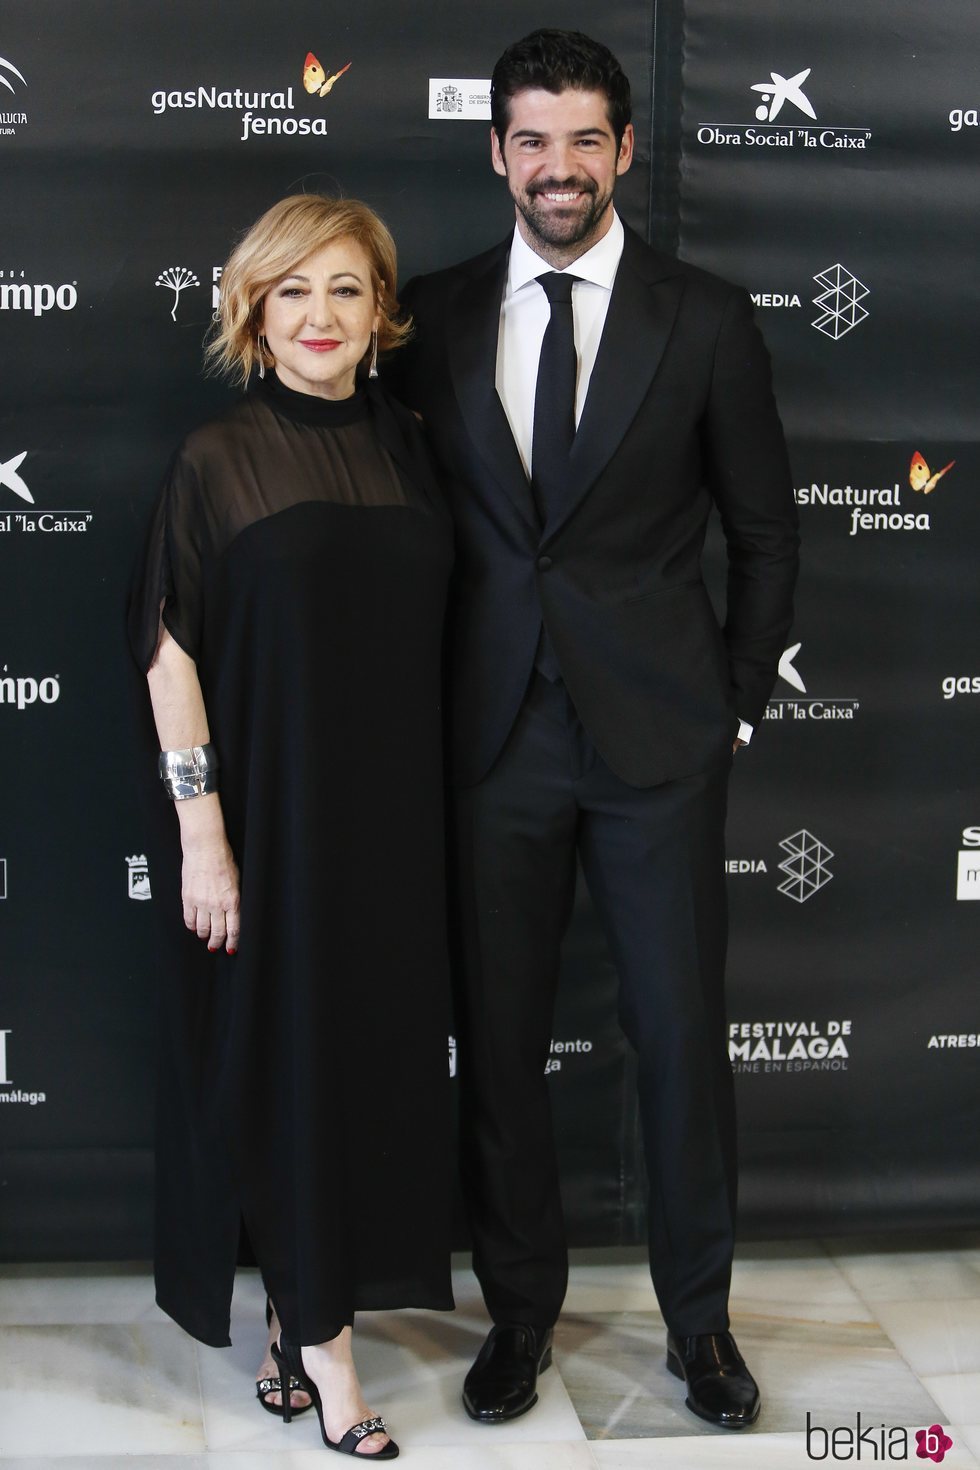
94	1377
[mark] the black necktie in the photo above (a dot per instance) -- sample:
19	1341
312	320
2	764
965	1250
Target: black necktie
554	397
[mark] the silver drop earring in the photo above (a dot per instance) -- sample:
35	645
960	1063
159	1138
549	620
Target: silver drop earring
373	369
260	343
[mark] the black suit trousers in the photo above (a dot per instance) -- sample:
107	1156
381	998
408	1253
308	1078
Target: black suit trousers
654	863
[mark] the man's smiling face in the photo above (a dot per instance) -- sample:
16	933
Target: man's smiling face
560	160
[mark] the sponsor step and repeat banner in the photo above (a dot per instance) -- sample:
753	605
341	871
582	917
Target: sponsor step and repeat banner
821	159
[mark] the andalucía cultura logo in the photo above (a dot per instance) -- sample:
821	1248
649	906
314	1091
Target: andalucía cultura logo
13	79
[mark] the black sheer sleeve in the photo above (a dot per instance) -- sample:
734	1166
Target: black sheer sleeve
169	574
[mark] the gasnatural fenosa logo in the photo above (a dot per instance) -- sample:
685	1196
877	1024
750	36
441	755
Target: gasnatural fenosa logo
261	113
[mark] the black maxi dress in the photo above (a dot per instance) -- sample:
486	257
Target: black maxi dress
302	553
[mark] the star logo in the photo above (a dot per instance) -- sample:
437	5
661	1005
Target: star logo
780	90
13	481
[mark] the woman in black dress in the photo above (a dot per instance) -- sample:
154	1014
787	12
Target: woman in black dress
288	616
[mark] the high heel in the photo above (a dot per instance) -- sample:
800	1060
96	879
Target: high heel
289	1356
266	1386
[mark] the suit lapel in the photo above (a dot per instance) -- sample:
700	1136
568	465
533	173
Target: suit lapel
642	309
473	334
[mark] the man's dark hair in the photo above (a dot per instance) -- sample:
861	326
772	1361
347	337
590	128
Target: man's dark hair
557	61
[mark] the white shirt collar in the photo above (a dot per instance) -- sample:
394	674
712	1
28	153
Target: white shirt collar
597	265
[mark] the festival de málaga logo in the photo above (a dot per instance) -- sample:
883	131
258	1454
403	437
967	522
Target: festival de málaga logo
261	113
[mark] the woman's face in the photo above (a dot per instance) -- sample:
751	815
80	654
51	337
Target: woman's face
318	320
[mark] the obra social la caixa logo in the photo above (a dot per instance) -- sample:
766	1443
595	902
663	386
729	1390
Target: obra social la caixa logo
804	704
800	129
261	114
874	1442
13	480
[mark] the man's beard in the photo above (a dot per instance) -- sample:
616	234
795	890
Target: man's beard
567	226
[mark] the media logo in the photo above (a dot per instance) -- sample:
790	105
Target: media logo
467	98
16	1095
840	301
775	94
878	1441
957	1041
968	865
922	478
789	1046
18	294
177	278
315	79
805	866
3	878
138	877
10	75
12	480
790	707
960	118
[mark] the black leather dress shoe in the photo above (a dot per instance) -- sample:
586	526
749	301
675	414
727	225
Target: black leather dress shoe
503	1382
719	1386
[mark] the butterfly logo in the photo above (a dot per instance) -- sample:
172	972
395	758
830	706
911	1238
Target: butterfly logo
315	78
921	476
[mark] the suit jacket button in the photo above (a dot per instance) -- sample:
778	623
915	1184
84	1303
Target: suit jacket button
544	562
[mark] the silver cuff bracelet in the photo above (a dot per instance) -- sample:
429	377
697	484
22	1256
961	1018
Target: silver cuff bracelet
187	773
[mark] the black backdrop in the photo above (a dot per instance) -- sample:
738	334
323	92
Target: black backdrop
855	828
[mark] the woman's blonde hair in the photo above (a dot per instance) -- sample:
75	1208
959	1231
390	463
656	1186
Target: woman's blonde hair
288	233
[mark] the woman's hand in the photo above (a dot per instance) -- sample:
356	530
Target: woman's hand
209	878
209	888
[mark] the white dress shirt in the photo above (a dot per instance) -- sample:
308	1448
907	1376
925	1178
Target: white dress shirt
524	316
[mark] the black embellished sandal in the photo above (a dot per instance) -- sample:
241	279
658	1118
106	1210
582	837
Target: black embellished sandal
289	1356
265	1386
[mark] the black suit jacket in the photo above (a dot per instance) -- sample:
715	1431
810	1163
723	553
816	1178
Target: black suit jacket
679	416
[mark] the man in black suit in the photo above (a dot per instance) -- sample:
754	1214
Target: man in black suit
589	401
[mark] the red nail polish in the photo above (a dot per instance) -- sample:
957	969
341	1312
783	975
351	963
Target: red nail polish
233	951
